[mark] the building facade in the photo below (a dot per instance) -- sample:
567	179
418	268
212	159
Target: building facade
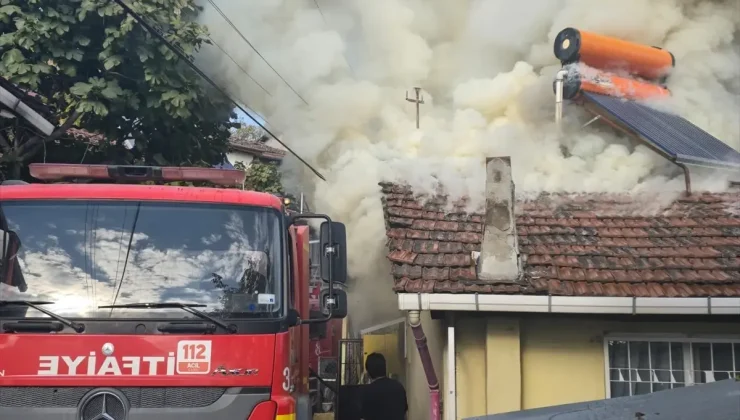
612	296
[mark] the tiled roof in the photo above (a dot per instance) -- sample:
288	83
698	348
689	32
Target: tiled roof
86	136
585	245
256	148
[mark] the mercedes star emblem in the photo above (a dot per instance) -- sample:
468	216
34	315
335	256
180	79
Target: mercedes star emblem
104	404
108	349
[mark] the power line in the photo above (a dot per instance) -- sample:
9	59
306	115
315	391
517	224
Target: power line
240	67
352	70
223	15
200	73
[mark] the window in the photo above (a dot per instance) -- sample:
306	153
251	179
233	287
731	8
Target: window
82	254
641	366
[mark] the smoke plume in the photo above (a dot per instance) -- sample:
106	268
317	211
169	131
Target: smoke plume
486	69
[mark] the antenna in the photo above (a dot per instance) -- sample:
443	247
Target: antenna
418	101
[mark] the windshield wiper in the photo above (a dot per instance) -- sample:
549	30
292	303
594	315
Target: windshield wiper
187	307
35	304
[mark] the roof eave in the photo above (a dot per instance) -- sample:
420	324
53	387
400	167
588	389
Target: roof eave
19	107
569	304
275	154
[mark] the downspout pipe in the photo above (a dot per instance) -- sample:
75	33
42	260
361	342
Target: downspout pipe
559	82
426	362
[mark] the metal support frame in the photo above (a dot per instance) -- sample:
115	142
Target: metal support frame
686	176
559	82
450	401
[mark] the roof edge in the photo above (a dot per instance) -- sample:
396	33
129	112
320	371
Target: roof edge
569	304
262	150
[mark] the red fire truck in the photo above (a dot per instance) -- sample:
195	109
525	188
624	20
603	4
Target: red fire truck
323	360
128	302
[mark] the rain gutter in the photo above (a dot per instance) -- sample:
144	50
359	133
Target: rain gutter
569	304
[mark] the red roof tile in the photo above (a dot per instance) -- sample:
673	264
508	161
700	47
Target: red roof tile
256	148
572	245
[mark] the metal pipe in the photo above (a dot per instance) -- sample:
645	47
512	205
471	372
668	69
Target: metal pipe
301	202
426	363
451	399
559	82
686	176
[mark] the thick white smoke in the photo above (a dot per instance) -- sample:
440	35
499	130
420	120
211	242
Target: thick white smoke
486	68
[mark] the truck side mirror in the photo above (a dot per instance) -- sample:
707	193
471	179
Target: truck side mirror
340	303
10	270
293	318
10	244
336	258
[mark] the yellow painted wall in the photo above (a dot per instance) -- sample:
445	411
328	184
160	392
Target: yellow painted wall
488	366
387	345
470	349
562	362
508	364
503	365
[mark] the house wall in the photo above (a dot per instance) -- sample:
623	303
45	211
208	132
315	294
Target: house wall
242	157
507	363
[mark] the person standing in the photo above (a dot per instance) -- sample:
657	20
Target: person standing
383	398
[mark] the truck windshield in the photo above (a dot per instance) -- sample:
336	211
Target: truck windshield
84	254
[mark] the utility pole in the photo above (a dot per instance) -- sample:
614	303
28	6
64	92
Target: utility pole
418	101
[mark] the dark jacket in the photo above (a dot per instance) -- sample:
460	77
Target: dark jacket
384	399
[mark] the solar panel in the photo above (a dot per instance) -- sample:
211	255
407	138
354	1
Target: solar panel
674	136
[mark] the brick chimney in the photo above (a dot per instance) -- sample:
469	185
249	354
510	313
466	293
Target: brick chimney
499	255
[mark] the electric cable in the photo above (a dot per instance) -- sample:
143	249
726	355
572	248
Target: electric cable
240	67
200	73
226	18
346	61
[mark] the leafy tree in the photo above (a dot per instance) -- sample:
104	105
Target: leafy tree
249	133
95	67
262	176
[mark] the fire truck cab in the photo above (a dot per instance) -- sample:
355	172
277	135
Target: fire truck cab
123	301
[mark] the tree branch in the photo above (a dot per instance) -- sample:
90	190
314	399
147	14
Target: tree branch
4	143
31	147
30	153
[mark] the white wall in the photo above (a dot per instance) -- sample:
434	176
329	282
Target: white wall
242	157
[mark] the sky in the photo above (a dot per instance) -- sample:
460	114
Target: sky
244	119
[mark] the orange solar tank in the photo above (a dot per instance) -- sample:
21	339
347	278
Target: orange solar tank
612	54
611	85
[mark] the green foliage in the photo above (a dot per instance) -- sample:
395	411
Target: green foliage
248	133
262	176
88	57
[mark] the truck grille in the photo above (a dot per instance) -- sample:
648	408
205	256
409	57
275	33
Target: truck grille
139	397
103	405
